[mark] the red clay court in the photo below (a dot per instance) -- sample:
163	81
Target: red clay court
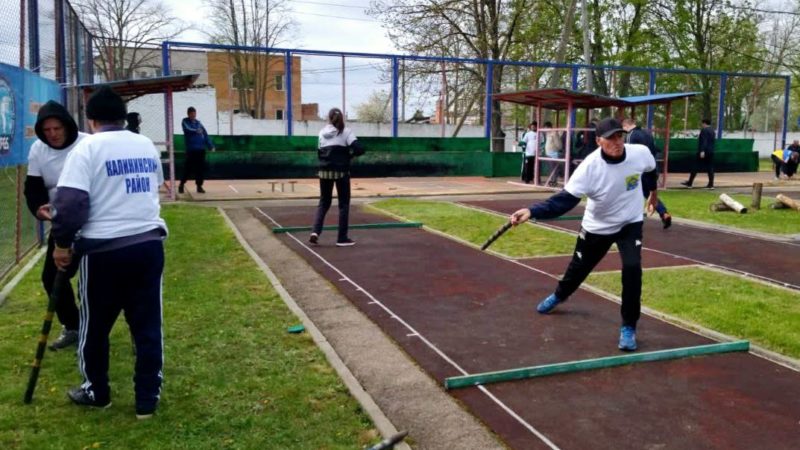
458	311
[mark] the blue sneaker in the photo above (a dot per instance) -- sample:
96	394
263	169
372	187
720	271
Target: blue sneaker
548	304
627	339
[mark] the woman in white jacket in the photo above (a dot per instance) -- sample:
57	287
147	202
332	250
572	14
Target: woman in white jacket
337	146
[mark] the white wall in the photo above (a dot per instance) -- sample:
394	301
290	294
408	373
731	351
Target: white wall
151	108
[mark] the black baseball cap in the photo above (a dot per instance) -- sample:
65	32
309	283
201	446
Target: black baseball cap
608	127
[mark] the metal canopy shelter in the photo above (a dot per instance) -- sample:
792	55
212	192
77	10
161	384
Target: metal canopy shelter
131	89
560	99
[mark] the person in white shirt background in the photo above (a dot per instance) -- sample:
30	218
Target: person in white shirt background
58	134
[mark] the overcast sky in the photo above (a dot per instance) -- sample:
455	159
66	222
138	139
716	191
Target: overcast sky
339	25
333	25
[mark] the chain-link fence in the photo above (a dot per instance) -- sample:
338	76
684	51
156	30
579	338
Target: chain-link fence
47	38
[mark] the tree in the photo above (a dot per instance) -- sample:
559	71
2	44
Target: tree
251	23
125	33
485	28
375	108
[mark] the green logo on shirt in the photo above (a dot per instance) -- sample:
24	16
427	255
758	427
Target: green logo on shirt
632	182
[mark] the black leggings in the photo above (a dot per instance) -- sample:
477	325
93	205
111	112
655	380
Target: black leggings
66	309
325	200
591	248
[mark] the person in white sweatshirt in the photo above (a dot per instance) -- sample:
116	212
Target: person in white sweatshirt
337	146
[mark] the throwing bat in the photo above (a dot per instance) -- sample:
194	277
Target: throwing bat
496	235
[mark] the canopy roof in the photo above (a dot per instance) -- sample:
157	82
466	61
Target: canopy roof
560	98
130	89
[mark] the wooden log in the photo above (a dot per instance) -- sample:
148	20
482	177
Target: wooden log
788	202
756	202
717	207
733	204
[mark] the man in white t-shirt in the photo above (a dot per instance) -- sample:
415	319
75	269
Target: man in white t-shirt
531	141
58	134
611	178
107	211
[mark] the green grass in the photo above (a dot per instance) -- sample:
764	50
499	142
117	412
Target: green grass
233	377
527	240
765	165
768	316
693	204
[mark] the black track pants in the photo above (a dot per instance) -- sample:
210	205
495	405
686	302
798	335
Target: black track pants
325	200
591	248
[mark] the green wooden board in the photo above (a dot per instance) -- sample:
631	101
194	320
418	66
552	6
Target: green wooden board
359	226
590	364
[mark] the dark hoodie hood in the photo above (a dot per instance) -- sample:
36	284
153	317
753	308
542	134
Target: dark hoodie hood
53	109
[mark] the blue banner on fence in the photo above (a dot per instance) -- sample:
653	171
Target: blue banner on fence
21	94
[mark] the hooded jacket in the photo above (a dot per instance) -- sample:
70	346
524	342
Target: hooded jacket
52	109
337	149
37	189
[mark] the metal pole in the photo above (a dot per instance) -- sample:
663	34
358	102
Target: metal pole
488	125
22	33
18	222
344	111
395	99
168	118
288	116
665	170
651	90
723	86
786	94
444	101
33	39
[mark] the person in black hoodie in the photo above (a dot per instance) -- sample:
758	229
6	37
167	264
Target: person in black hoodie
58	134
337	146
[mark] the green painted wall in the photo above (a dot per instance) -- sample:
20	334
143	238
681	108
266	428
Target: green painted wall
295	157
730	155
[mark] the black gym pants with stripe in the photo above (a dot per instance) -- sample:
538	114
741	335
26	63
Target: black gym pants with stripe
124	279
591	248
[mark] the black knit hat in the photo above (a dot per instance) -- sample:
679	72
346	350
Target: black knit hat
105	105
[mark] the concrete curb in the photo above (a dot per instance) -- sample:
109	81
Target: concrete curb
385	427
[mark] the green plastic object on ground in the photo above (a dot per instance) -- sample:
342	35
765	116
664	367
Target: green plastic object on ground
294	329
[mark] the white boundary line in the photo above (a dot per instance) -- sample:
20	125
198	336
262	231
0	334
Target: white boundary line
384	425
18	277
233	188
429	344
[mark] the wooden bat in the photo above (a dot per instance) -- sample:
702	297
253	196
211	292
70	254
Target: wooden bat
60	280
496	235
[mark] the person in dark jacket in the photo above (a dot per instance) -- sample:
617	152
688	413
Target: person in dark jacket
637	135
197	141
705	155
785	161
58	134
337	146
134	122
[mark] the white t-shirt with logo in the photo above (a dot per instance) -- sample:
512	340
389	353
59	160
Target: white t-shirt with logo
531	140
122	172
614	191
47	162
